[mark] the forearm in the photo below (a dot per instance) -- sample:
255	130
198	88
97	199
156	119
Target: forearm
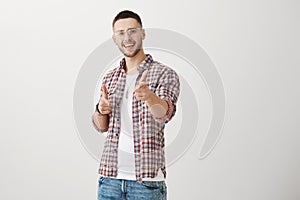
100	121
157	106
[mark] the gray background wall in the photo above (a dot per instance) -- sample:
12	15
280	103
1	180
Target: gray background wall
254	45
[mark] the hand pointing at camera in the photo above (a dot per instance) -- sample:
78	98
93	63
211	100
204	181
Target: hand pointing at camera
157	106
104	105
142	91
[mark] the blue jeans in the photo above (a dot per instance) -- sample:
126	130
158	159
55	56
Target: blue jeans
110	188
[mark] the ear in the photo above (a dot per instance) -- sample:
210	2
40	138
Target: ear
114	39
143	34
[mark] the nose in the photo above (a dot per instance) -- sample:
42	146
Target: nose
127	36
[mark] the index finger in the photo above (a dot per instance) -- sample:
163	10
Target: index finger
104	90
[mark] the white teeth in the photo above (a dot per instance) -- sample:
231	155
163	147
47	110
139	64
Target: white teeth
129	45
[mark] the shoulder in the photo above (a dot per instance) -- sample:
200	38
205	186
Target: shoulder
110	73
163	71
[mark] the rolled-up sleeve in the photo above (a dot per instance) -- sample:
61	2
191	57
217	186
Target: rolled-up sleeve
168	89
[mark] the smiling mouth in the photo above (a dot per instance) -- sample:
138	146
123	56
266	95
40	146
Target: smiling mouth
128	45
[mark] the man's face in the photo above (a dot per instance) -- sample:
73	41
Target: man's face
128	36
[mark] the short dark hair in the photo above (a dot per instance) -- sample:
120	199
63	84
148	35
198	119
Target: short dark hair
127	14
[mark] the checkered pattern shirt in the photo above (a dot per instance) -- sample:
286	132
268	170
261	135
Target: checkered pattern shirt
148	131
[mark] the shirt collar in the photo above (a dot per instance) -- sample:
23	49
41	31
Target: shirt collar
142	66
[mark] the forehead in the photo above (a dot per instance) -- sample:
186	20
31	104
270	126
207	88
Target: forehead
124	24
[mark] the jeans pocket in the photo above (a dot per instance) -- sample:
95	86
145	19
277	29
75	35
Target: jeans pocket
154	184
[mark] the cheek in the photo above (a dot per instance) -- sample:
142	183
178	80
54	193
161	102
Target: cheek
118	42
138	39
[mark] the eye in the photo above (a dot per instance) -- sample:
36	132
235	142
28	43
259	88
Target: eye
132	31
121	33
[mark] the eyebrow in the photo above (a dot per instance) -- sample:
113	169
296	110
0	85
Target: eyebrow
127	29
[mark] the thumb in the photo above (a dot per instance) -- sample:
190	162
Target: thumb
144	75
104	90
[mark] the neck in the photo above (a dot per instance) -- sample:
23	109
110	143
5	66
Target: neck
133	62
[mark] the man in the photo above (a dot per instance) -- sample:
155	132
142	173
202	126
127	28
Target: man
137	99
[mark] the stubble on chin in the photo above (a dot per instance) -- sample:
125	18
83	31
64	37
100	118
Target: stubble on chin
132	54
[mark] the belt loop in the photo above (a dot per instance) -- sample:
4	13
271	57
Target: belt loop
123	186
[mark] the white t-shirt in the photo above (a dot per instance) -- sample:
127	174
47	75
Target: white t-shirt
126	160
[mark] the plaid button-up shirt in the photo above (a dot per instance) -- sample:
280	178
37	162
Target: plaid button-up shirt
148	131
